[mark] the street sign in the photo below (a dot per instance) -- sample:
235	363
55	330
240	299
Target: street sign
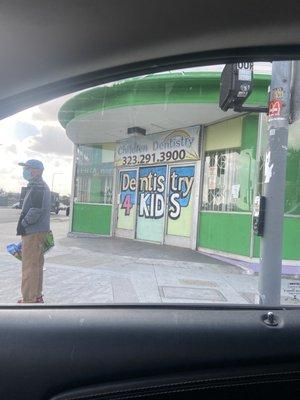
275	107
293	288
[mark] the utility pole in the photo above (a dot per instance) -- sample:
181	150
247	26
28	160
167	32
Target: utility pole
274	183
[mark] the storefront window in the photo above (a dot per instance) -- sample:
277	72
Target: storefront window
94	174
220	185
230	165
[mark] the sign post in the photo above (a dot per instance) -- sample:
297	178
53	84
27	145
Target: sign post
274	183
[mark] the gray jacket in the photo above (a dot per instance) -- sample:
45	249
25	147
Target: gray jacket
35	215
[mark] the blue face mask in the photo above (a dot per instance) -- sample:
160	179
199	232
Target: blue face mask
27	174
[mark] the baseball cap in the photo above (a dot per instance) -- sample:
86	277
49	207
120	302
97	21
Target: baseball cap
33	164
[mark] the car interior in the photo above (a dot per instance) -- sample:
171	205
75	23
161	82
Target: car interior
140	351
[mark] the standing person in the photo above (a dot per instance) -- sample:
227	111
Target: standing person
33	225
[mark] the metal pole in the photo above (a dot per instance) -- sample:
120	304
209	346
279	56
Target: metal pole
274	184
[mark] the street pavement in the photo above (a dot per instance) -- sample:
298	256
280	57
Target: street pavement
114	270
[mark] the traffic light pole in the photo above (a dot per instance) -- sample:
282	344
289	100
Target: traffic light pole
274	183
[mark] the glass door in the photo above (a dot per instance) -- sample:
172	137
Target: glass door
181	205
150	223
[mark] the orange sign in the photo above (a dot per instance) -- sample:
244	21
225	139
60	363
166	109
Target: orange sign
275	107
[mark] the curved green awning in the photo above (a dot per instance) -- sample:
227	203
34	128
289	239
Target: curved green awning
166	88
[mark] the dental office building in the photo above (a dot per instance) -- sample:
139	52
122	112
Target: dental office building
157	160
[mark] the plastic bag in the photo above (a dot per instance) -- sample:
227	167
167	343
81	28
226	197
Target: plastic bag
49	241
15	249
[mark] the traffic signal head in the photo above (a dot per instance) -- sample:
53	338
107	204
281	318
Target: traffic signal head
235	85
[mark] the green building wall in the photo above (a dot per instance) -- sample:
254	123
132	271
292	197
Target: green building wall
98	221
224	231
231	232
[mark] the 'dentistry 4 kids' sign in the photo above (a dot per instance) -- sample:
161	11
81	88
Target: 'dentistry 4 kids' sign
152	199
159	148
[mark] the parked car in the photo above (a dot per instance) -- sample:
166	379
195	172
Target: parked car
55	204
64	207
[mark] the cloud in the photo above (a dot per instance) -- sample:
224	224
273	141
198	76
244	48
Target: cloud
49	111
51	140
40	116
57	163
36	133
23	130
23	138
12	148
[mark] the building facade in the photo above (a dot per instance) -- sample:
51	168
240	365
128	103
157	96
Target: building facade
156	160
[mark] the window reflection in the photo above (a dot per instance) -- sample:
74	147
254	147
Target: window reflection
94	174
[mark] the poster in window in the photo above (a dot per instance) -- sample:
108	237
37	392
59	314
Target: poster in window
180	202
127	199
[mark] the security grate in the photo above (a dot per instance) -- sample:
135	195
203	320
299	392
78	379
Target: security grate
220	185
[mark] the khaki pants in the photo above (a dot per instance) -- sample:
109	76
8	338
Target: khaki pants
32	266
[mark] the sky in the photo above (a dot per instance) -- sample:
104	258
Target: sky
36	133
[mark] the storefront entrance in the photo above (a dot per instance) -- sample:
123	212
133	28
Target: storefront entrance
157	187
181	219
152	184
157	203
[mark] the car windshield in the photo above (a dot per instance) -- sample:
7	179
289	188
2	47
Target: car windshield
175	187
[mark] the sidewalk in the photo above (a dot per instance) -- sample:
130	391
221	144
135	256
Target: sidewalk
115	270
77	274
